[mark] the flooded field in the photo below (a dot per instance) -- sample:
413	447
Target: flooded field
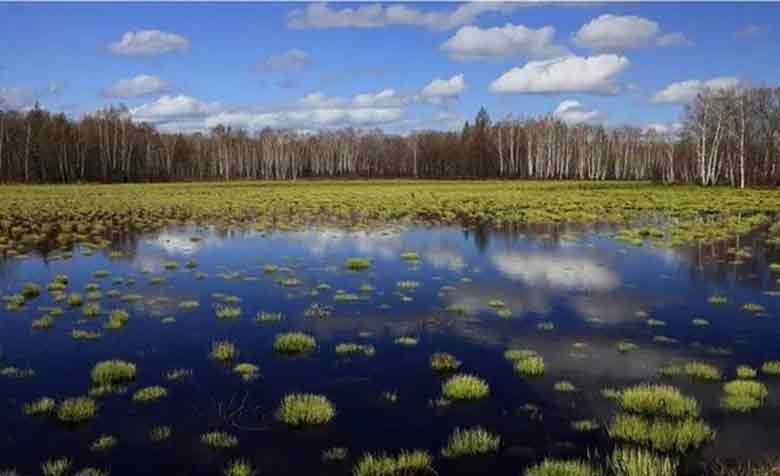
557	323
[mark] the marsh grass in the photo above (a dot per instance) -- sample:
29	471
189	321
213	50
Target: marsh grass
294	343
247	371
530	366
746	372
564	386
219	440
159	433
583	426
337	453
305	409
702	371
113	371
406	341
77	410
625	347
664	435
223	350
174	375
103	443
268	317
239	467
91	471
406	463
561	467
743	395
471	442
56	467
632	461
43	323
771	368
443	362
74	300
81	334
42	406
117	319
150	394
658	400
357	264
228	312
351	348
464	387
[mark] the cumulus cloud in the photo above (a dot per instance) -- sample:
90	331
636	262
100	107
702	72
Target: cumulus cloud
141	85
620	33
592	74
321	16
173	108
292	61
384	98
573	112
683	92
149	43
474	43
441	91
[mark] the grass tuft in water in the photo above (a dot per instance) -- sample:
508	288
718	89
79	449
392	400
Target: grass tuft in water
150	394
746	372
56	467
103	443
561	467
247	371
219	440
464	387
582	426
305	409
564	386
160	433
771	367
702	371
443	362
530	366
42	406
407	463
357	264
471	442
113	371
337	453
117	319
743	395
294	343
223	350
239	467
228	312
658	400
661	434
406	341
632	461
76	410
351	348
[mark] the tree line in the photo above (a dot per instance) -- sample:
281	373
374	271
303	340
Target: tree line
727	136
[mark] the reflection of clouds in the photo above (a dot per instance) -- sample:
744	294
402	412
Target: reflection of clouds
181	244
545	269
610	309
383	243
441	257
475	300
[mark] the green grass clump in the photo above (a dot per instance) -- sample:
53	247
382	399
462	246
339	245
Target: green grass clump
444	362
228	312
407	341
239	467
407	463
661	434
76	410
771	367
223	350
160	433
582	426
351	348
44	323
42	406
753	308
564	386
746	372
266	317
103	443
464	387
150	394
531	366
219	440
74	300
357	264
189	305
470	442
117	319
247	371
56	467
561	467
513	355
305	409
660	400
702	371
91	309
625	347
90	471
337	453
743	395
410	256
700	322
113	371
80	334
174	375
294	343
631	461
31	290
717	300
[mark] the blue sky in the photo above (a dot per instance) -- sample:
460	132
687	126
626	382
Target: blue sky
396	66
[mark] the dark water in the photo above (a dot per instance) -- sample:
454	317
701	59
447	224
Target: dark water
592	288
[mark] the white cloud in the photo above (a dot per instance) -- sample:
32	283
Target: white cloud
475	43
16	98
573	112
593	74
620	33
173	108
384	98
292	61
149	43
441	91
683	92
141	85
320	15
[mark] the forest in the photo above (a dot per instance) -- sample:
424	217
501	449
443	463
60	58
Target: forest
726	137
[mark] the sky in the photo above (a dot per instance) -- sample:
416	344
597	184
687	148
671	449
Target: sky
395	66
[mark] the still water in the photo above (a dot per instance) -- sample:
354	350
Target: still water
562	285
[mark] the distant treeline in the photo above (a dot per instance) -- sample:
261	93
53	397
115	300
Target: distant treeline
726	137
